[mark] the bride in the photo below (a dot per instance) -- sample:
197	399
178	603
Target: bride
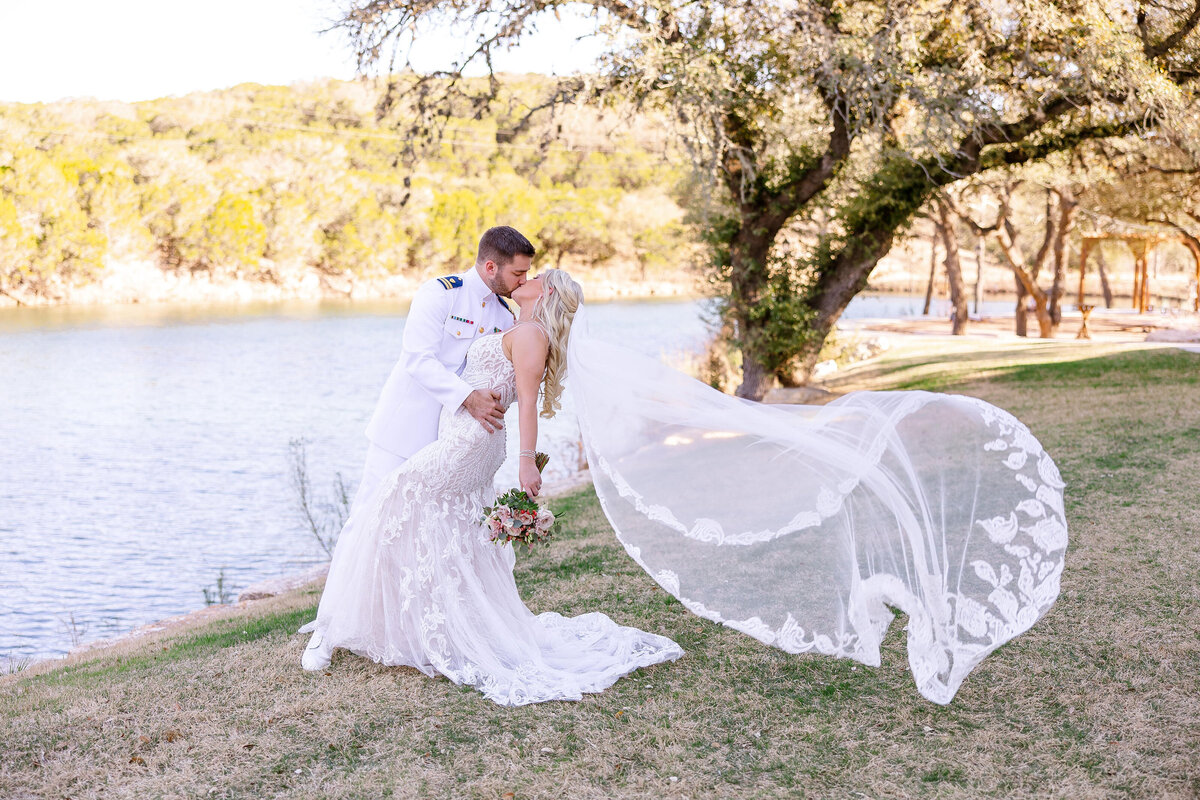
416	581
800	526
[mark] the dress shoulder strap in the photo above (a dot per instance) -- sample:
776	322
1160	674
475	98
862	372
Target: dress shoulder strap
534	322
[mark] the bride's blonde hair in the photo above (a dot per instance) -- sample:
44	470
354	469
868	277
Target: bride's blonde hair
561	297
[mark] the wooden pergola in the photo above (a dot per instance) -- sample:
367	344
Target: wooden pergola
1141	244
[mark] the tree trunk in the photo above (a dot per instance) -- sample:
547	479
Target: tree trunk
756	379
933	240
1056	292
978	273
1067	209
1041	312
1046	324
1022	322
958	291
748	281
837	286
1006	236
899	189
1102	270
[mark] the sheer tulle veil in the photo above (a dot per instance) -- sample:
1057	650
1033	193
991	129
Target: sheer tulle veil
800	525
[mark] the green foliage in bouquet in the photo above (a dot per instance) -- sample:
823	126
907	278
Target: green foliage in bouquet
516	517
515	500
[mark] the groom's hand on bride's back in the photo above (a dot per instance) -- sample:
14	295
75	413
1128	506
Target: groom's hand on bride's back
485	407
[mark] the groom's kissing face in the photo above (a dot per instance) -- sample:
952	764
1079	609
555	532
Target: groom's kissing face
511	275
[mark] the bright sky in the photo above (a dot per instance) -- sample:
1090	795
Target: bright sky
142	49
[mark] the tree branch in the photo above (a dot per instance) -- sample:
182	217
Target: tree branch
1192	242
1022	153
567	91
793	193
1169	43
991	134
977	228
1006	236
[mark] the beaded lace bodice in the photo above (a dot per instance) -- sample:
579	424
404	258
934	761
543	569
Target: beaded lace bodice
488	368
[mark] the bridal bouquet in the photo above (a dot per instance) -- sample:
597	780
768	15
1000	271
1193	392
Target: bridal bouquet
516	517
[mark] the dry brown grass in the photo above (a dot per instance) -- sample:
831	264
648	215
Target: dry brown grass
1099	699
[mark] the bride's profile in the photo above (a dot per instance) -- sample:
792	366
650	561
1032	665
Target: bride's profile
801	526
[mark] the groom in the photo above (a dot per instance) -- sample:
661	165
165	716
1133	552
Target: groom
446	315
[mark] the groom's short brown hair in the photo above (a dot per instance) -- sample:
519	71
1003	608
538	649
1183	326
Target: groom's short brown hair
501	243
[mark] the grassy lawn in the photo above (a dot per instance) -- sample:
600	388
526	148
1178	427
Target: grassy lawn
1100	699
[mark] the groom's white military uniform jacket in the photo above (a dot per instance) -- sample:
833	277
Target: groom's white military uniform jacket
446	315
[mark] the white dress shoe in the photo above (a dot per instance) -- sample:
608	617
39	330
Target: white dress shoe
316	655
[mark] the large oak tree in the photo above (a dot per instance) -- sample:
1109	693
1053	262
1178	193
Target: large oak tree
861	109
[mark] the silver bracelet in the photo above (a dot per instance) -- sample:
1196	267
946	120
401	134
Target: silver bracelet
527	454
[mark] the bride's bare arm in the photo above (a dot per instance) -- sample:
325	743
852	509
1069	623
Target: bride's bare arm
529	348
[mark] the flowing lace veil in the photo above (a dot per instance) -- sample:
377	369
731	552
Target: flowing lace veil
800	525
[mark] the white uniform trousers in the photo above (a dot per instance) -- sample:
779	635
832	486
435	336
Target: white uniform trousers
378	464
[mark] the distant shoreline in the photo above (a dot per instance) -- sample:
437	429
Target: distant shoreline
144	283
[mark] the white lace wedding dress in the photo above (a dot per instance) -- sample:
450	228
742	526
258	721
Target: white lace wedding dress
416	581
805	526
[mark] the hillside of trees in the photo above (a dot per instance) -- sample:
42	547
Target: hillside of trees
300	185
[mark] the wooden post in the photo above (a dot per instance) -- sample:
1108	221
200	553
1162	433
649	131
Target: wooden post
1138	246
1084	250
1150	248
1137	281
1085	311
1144	297
1144	285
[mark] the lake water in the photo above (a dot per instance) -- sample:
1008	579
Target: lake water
143	450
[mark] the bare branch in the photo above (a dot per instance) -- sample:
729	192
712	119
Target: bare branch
979	229
1170	42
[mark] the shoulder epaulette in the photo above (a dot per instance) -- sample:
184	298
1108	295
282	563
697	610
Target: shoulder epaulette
504	301
450	282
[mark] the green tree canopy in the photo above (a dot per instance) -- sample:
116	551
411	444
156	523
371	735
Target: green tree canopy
276	183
